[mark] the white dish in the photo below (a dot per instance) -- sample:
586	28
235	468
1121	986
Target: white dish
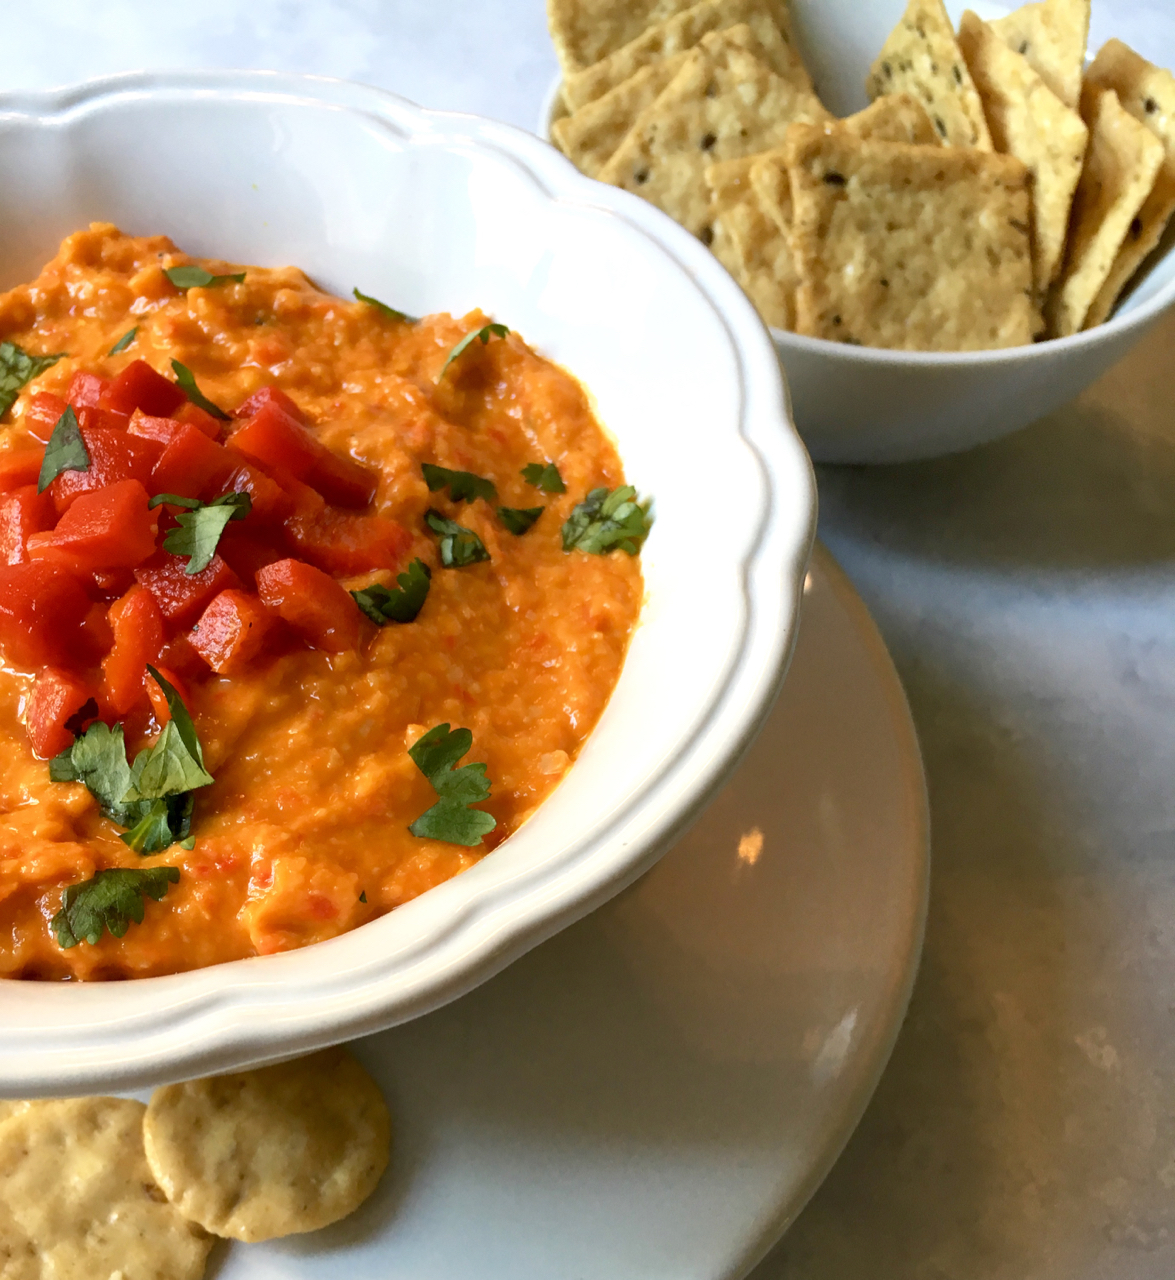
656	1092
445	212
865	405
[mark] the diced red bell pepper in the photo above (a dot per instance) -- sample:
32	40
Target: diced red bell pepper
57	697
231	632
192	465
320	610
246	550
138	386
41	414
19	467
162	429
23	512
91	417
42	607
181	596
271	503
114	456
158	697
86	389
274	438
110	528
138	637
270	395
97	635
109	584
343	543
197	417
178	655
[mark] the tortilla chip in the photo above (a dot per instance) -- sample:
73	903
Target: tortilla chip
584	31
1122	162
767	19
1052	36
590	136
907	247
1028	121
1148	93
894	117
77	1200
723	103
922	58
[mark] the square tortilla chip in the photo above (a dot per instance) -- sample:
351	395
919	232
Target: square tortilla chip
767	19
1122	162
1148	93
1052	36
921	57
911	248
724	103
584	31
1028	121
589	137
894	117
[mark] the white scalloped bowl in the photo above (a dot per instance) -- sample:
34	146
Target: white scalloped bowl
445	212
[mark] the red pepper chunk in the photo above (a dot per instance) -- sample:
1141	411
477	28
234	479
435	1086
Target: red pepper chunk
314	604
275	439
138	636
86	390
271	503
114	456
42	607
343	543
19	467
270	395
111	528
23	513
162	429
181	596
231	632
57	697
192	465
138	386
41	414
194	416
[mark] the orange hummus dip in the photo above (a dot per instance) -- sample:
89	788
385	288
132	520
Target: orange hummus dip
304	832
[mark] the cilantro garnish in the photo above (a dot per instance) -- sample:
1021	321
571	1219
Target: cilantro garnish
186	380
382	605
123	342
463	486
519	519
384	309
197	532
111	900
544	476
484	333
18	367
66	450
458	546
605	520
451	819
194	277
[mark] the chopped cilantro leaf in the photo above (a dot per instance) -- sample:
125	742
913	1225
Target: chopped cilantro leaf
98	760
111	900
384	309
174	500
463	486
166	822
18	367
484	333
519	519
603	521
363	896
544	476
451	819
123	342
398	605
194	277
197	532
458	546
66	450
186	380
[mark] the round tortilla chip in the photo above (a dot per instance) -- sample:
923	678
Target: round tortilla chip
77	1199
270	1152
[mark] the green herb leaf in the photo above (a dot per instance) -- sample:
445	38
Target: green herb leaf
484	333
65	451
18	367
463	486
180	718
194	277
450	819
174	500
186	380
98	760
197	532
164	823
111	900
390	312
458	546
603	521
519	519
123	342
544	476
402	605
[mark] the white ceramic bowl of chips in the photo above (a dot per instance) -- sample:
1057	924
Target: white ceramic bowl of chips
445	212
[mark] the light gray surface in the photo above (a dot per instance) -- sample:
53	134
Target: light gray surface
1025	1127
